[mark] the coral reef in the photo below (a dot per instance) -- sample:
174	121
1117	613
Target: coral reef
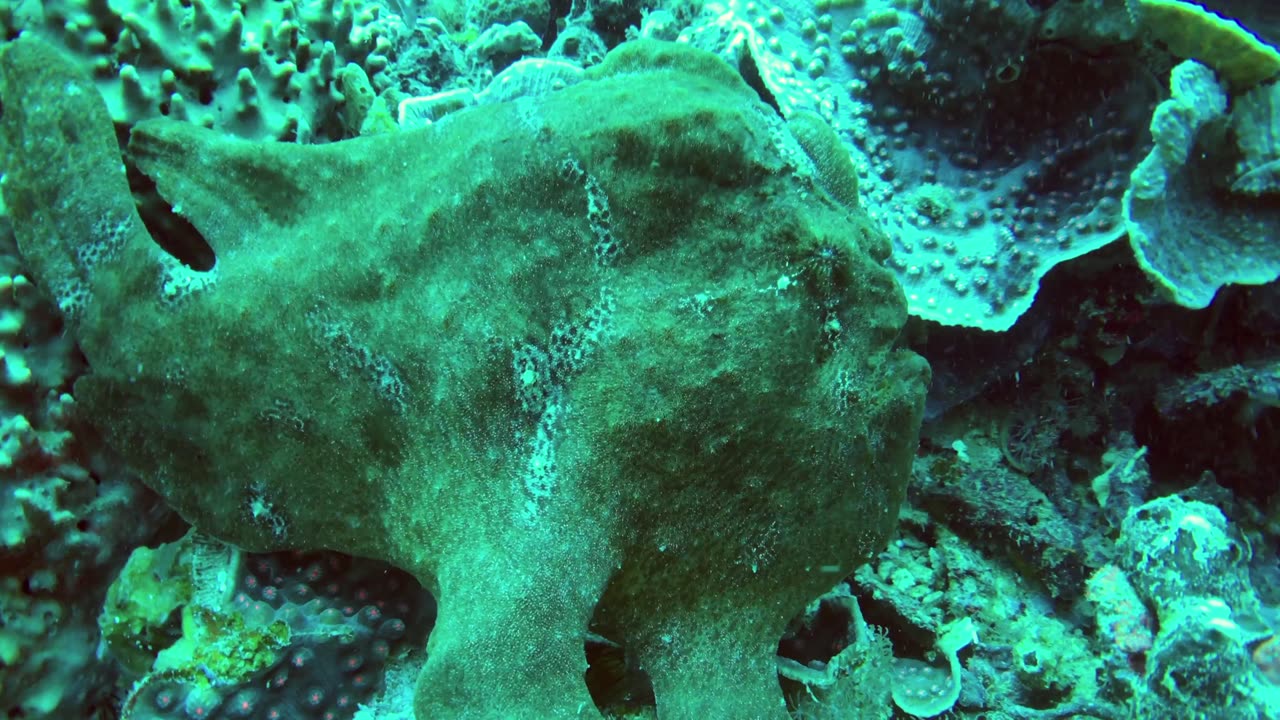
606	347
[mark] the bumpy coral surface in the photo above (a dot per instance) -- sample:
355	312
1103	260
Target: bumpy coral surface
995	138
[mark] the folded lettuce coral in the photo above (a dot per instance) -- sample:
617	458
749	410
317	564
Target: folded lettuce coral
1195	218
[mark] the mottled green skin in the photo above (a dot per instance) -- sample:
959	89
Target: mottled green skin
712	472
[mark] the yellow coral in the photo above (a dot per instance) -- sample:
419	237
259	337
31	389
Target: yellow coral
1190	31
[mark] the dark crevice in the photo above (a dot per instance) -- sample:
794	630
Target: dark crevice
560	12
749	72
617	686
170	231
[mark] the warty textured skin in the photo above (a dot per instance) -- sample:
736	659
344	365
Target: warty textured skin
611	358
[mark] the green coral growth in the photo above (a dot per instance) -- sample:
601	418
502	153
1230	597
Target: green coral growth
143	611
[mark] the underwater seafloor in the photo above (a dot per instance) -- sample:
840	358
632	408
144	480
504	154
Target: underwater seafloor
608	348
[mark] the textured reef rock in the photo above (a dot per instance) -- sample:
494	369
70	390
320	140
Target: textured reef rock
617	356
